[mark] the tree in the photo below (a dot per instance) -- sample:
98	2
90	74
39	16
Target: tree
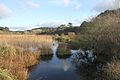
4	29
84	24
69	24
62	26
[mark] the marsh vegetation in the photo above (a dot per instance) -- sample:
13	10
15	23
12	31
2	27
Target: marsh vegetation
97	44
19	52
102	35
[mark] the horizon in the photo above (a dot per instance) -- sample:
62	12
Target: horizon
27	14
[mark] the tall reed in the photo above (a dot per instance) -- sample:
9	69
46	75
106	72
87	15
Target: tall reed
19	52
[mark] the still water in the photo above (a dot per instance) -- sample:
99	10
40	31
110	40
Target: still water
54	68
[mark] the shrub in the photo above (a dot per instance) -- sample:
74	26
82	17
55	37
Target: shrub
112	70
103	35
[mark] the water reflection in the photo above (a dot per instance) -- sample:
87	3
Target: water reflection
54	47
66	65
63	56
86	70
63	51
63	67
54	68
46	58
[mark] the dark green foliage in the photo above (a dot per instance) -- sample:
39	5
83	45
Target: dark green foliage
84	24
70	24
64	56
4	29
46	57
61	27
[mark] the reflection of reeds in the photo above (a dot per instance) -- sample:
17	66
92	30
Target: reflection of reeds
45	51
46	58
63	51
18	52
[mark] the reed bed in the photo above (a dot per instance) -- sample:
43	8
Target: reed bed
26	41
19	52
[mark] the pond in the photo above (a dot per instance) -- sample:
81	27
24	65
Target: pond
54	68
58	68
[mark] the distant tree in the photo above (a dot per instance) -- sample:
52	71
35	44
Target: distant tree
1	28
84	24
62	26
69	24
4	28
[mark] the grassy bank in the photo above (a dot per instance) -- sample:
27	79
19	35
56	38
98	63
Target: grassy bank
18	53
63	51
103	35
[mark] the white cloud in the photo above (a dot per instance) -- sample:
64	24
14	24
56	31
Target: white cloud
4	11
77	22
51	24
61	2
57	23
66	2
107	5
32	4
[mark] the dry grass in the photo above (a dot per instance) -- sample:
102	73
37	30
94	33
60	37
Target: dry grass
26	41
19	52
103	35
5	75
112	70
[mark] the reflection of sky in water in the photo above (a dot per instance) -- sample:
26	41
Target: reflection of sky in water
56	63
54	47
54	69
66	66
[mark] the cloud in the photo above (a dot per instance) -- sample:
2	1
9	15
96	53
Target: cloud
51	24
66	2
61	2
32	4
107	5
77	22
4	11
57	23
21	28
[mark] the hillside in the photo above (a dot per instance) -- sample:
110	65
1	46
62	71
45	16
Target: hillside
52	31
106	17
102	35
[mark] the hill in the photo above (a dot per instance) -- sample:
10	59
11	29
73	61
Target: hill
102	34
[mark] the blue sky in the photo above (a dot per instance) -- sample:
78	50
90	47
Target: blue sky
26	14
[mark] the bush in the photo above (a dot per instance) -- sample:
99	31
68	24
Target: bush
103	35
112	70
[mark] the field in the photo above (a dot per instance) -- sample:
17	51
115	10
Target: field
19	52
